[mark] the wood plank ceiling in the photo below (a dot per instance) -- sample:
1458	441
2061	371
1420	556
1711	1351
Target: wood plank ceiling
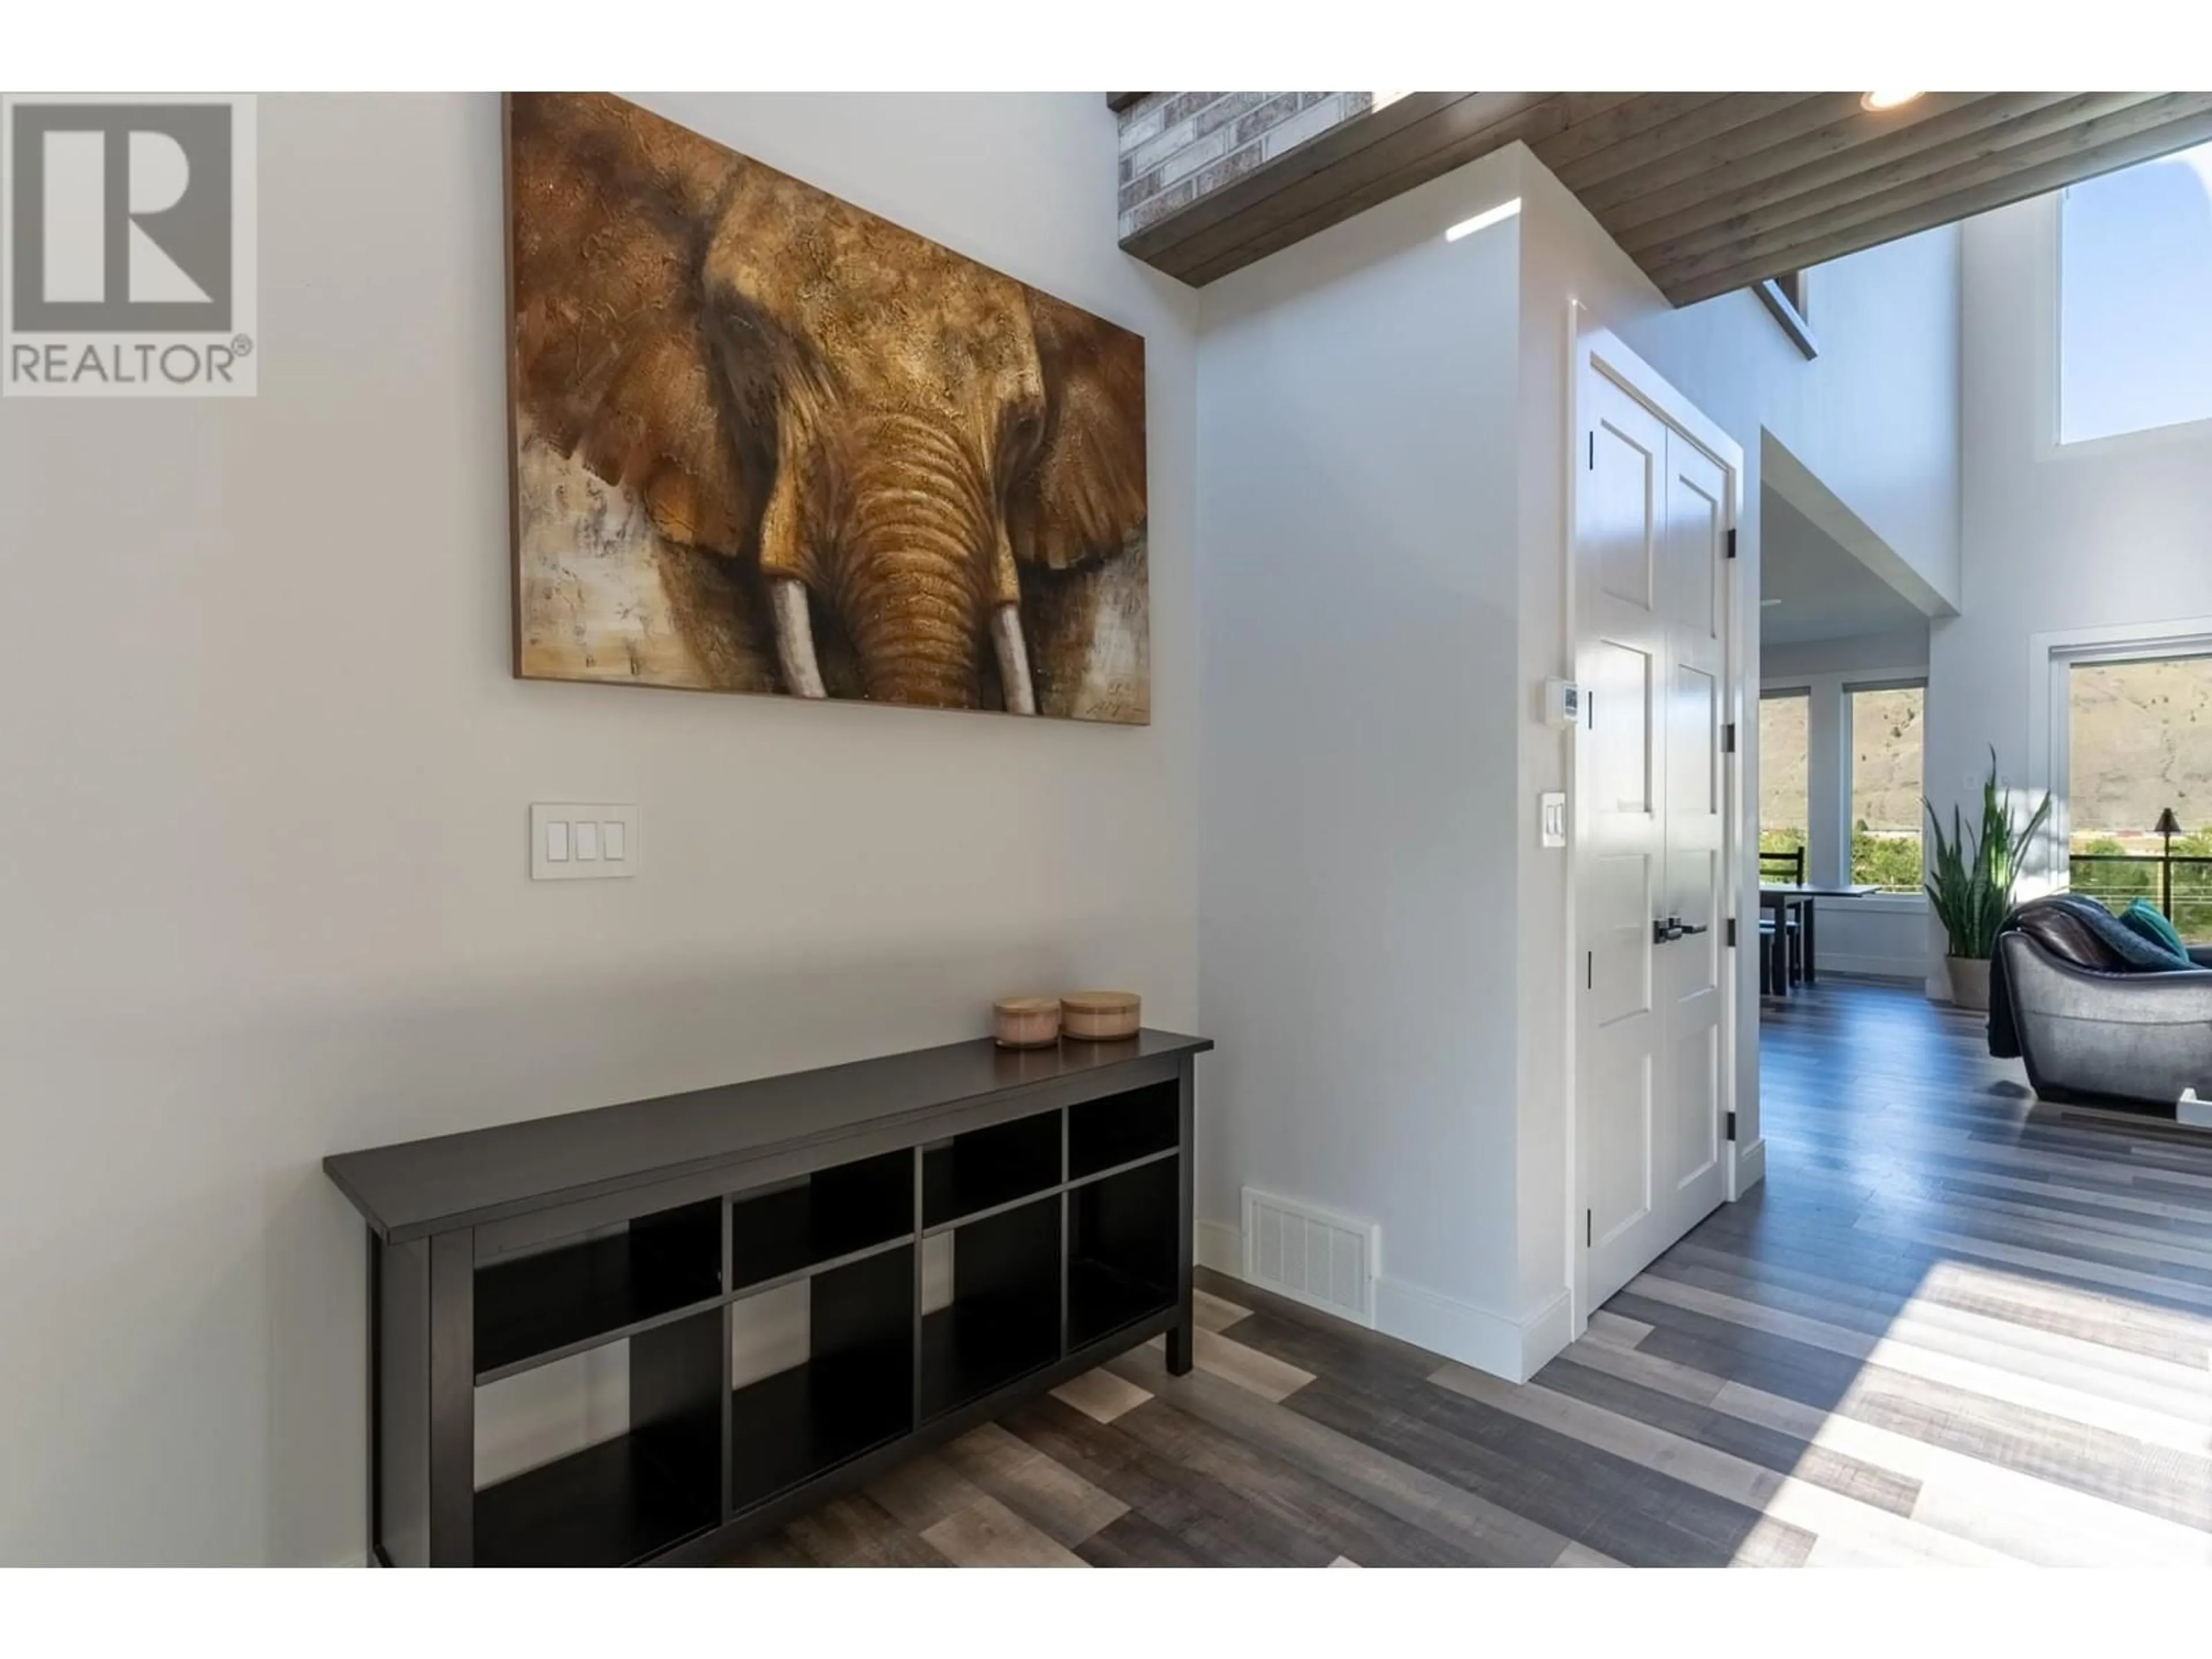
1708	192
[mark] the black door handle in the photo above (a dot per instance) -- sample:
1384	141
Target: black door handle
1683	929
1667	932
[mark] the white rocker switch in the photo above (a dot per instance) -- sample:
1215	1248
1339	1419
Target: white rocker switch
1551	814
583	841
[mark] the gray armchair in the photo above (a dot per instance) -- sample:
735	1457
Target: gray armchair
2091	1019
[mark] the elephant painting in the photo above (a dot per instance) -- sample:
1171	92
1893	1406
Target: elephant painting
766	441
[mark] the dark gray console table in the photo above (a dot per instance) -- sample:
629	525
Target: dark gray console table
1063	1176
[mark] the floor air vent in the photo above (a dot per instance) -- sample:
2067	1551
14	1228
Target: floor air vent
1310	1256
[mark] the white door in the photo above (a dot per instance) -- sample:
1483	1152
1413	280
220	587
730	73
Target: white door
1651	519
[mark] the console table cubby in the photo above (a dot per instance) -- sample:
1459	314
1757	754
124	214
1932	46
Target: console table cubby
1057	1181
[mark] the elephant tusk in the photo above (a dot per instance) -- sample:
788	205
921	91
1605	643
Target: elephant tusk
794	638
1013	659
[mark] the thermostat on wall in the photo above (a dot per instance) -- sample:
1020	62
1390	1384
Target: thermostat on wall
1562	702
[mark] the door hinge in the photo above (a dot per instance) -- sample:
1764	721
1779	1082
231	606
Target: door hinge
1592	450
1590	970
1728	739
1589	1227
1731	1126
1731	543
1730	939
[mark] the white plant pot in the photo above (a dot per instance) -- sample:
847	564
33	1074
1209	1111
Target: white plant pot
1970	982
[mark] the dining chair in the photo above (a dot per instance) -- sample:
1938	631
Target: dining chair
1788	866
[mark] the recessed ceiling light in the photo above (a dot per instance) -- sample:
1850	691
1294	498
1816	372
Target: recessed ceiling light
1878	102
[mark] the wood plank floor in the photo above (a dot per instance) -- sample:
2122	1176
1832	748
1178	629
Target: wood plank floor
1953	1326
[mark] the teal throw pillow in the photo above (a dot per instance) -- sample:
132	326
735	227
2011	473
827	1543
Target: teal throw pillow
2144	918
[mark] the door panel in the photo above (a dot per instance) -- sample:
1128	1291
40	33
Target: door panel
1693	777
1621	726
1694	959
1696	1076
1697	525
1650	844
1621	1197
1693	823
1627	465
1619	979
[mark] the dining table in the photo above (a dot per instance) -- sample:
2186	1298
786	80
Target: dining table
1784	896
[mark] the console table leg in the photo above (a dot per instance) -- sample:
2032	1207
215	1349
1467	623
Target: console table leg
452	1426
375	1395
1179	1336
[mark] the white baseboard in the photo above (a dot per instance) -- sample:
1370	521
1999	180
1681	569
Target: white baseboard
1219	1245
1750	1166
1513	1349
1837	961
1545	1334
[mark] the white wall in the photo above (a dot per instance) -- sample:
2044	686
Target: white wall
1904	649
1384	434
2112	535
1874	418
1360	702
265	880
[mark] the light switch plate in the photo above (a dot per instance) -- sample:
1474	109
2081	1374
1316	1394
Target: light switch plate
1552	818
600	840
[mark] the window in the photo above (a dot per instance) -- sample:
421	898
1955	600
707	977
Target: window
1784	756
1886	741
2134	309
2139	743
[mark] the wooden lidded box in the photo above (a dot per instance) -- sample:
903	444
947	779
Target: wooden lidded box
1026	1022
1100	1015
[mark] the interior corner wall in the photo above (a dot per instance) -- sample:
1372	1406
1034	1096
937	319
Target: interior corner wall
1383	429
1875	416
2111	534
1360	704
263	874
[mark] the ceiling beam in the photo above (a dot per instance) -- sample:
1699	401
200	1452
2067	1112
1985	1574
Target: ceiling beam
1960	193
1392	140
1707	191
1843	164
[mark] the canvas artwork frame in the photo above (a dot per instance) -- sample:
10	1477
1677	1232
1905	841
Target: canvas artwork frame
761	440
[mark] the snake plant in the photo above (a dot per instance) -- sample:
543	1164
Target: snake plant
1974	874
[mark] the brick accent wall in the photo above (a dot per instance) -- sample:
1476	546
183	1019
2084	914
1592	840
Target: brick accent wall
1177	146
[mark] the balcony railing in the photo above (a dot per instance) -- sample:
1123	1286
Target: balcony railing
2181	886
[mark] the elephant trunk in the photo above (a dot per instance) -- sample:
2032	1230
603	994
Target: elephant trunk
918	538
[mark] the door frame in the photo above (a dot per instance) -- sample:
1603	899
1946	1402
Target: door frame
1599	351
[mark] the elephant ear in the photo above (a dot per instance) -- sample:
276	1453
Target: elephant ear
1084	497
611	361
